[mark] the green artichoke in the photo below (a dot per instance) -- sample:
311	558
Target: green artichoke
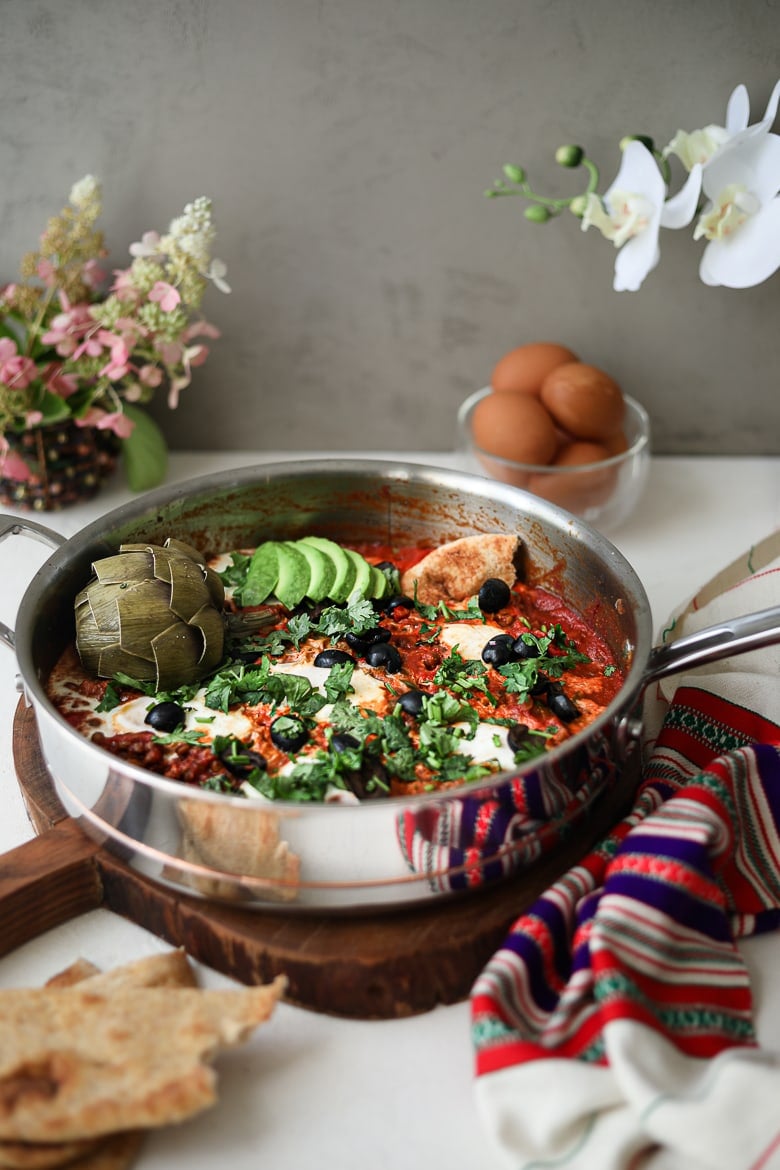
153	612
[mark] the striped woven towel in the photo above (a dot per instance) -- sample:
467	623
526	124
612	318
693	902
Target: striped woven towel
614	1028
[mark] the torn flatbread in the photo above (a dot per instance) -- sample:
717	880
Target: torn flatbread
458	569
78	1062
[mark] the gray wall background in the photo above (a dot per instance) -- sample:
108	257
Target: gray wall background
346	145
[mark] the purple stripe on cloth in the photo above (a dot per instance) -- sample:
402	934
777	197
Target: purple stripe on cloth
529	953
673	900
768	760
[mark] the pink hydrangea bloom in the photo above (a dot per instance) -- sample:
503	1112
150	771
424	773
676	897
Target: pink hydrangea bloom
12	466
18	372
119	362
150	375
123	287
166	295
57	382
92	274
104	420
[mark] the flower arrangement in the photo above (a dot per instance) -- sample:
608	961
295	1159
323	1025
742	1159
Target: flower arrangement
69	352
731	191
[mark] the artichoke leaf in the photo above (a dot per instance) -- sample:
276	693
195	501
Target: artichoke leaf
177	651
189	592
212	628
122	569
103	613
114	660
143	613
185	550
216	588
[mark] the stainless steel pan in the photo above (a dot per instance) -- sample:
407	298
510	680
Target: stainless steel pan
398	851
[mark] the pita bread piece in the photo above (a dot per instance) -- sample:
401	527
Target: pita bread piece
168	969
116	1152
78	1063
457	570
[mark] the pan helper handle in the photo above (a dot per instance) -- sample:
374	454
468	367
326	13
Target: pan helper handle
14	526
737	635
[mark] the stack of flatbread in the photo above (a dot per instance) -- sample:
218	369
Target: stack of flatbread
93	1059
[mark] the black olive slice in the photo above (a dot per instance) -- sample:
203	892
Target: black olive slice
288	733
384	655
411	702
332	658
493	595
165	717
499	650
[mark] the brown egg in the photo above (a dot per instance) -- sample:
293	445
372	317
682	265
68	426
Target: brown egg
583	400
616	444
524	369
577	491
514	426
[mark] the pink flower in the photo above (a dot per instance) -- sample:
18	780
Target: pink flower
32	418
150	375
8	349
119	363
12	465
132	392
197	354
66	328
115	421
194	355
58	383
92	274
47	272
200	329
92	346
123	287
170	352
18	372
166	295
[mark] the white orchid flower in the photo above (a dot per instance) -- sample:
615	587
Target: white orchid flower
633	211
701	146
741	221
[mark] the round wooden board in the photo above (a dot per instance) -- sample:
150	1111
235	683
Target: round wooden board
375	966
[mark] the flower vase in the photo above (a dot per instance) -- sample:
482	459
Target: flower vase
68	464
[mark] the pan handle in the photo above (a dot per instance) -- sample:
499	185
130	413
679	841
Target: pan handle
735	636
13	526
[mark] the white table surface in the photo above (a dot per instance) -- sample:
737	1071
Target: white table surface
313	1091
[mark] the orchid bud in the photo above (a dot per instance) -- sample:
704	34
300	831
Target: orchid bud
513	173
578	205
569	156
646	142
536	213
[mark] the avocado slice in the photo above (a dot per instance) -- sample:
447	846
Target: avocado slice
322	571
344	579
362	583
293	581
262	574
379	584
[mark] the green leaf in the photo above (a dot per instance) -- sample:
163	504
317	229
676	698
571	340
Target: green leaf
52	407
145	452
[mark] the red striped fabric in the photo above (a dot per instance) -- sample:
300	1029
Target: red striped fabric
644	928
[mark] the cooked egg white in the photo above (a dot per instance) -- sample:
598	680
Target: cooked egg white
470	640
368	691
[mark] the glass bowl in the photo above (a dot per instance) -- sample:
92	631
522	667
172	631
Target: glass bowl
604	494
